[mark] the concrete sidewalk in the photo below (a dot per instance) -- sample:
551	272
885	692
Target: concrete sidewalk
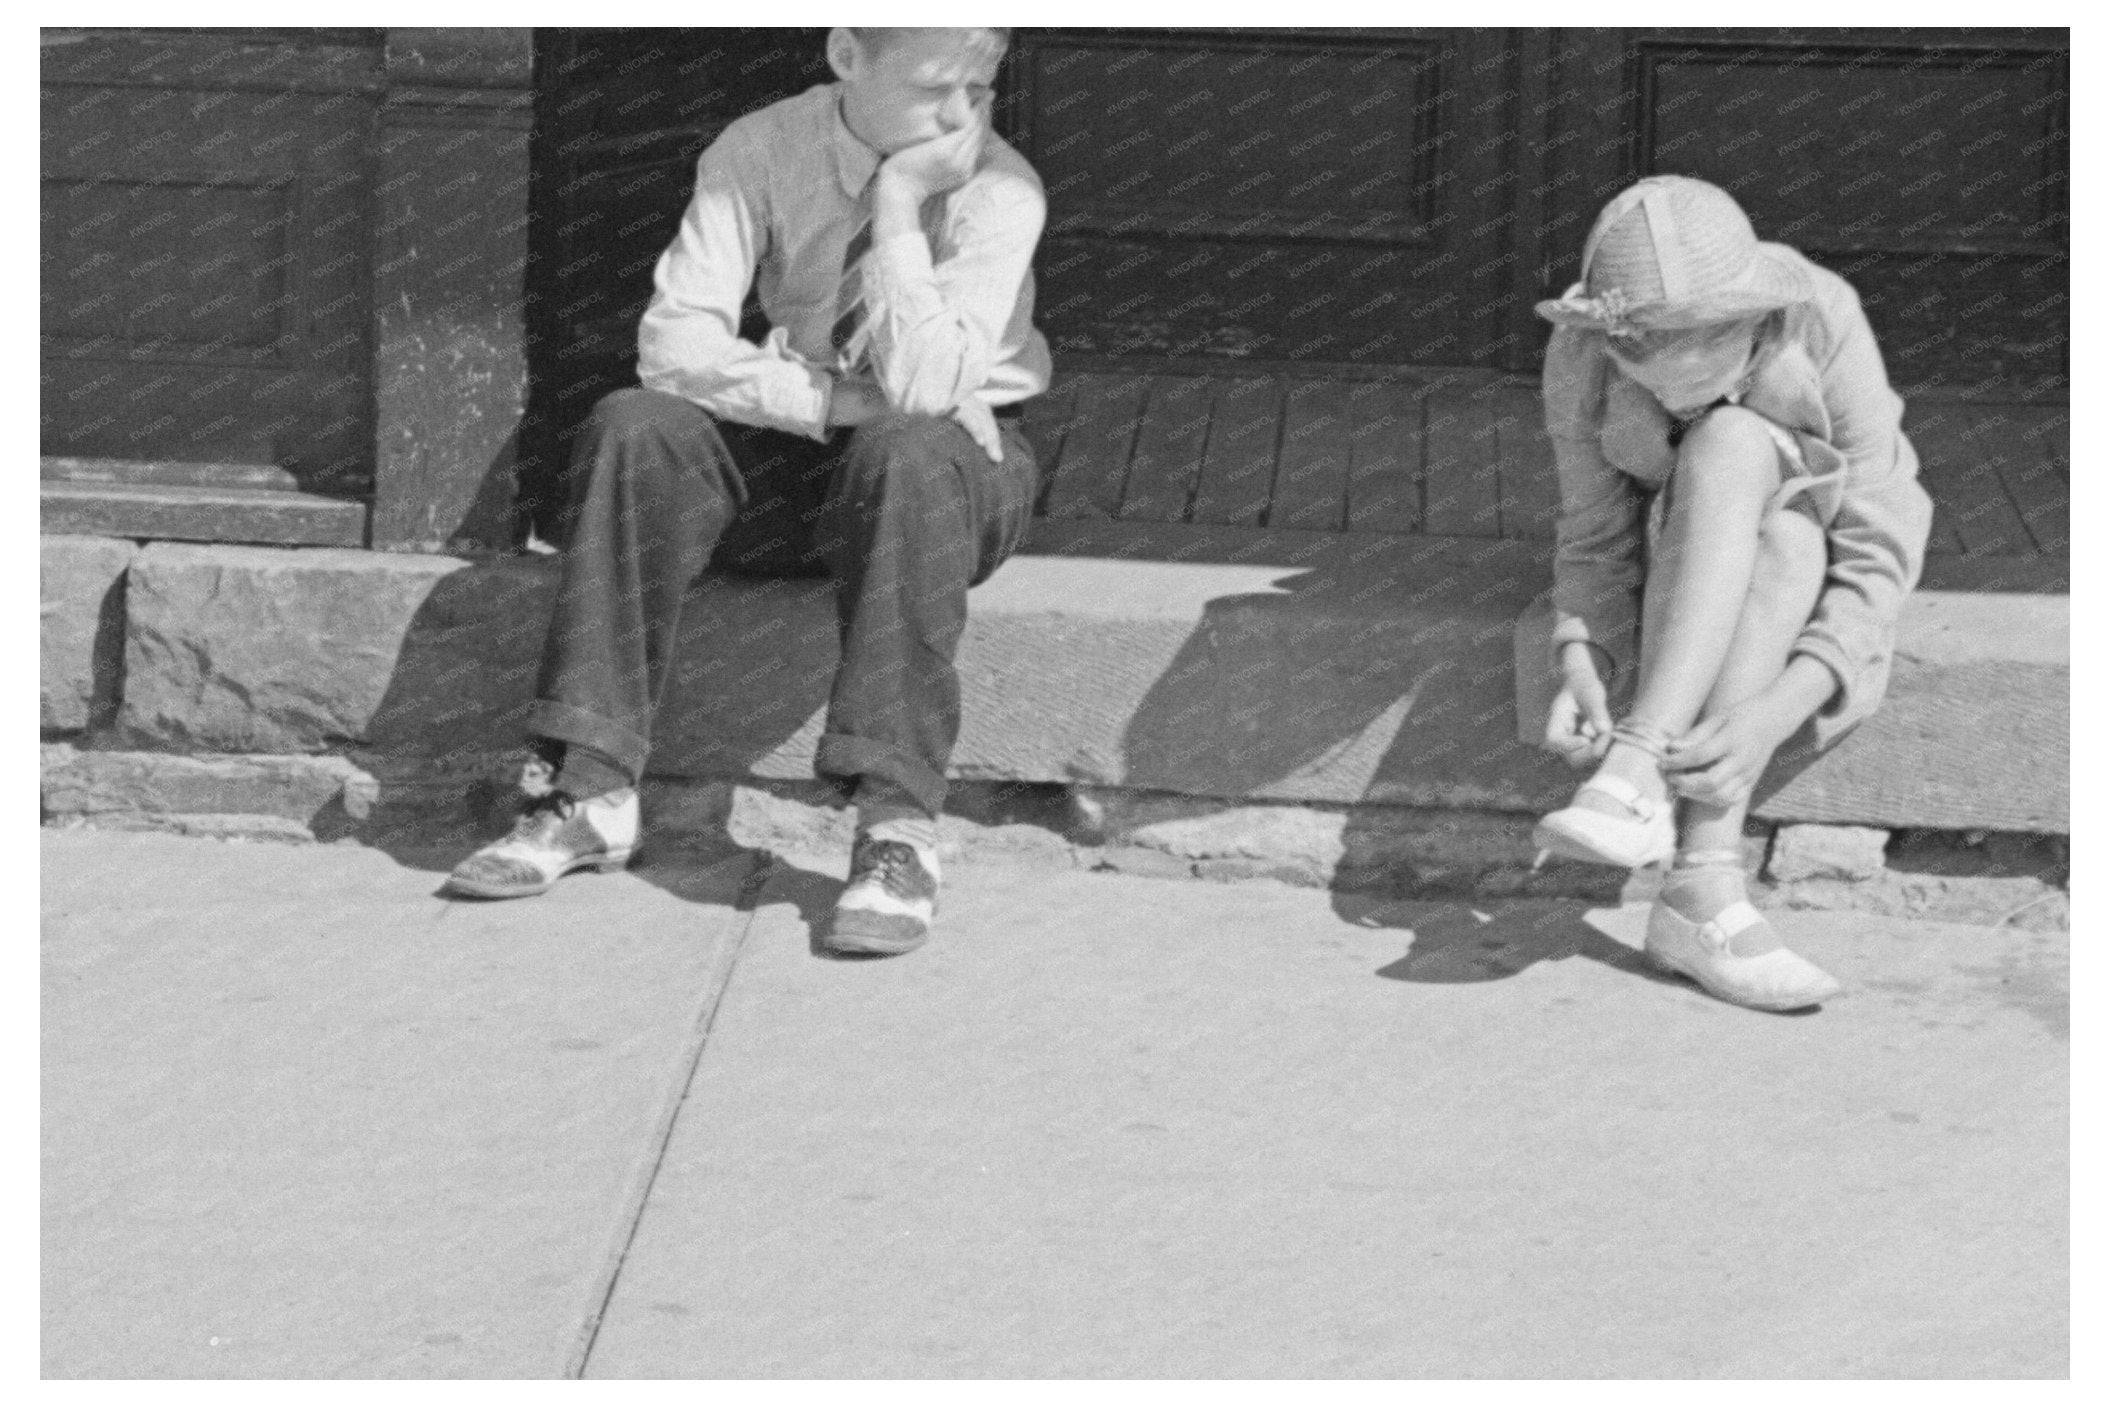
304	1119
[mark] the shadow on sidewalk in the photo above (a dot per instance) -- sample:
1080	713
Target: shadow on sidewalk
1455	942
446	737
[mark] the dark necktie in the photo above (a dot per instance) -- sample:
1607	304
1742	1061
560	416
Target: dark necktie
849	293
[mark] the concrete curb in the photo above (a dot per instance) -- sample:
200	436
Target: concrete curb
1244	666
1396	851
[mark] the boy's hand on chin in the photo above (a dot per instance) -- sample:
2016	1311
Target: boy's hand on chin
939	165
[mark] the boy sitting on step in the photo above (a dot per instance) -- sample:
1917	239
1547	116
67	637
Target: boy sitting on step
872	435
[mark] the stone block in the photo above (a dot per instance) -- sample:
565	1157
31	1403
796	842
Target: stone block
960	838
1308	836
296	788
81	629
254	649
1402	848
1139	860
1238	870
1826	852
1310	669
795	821
212	825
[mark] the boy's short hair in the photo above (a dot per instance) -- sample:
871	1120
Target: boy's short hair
875	41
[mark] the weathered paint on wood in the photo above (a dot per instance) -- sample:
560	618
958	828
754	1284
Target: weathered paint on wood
2036	477
1168	452
1045	421
1384	467
201	514
1311	468
1962	449
1461	455
1097	447
1462	491
1530	489
450	356
1238	467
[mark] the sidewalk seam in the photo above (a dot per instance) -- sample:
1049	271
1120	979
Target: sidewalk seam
716	980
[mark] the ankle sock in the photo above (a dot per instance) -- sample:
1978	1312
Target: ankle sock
886	810
918	831
1698	893
581	770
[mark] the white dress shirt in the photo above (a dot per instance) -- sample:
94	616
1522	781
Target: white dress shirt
778	197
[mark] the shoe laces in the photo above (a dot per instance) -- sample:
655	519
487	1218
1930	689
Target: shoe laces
533	809
893	864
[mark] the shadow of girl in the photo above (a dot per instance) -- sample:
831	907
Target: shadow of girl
1458	942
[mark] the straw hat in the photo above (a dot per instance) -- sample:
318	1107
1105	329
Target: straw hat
1672	252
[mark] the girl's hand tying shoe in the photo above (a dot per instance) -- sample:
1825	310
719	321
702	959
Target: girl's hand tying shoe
1579	725
1721	759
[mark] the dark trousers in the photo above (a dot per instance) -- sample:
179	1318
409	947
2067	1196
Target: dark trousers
905	513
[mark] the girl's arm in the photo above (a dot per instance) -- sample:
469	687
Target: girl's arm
1598	538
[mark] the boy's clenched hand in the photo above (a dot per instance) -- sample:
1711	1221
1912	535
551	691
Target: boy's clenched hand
979	422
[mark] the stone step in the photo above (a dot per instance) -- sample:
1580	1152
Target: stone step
1225	663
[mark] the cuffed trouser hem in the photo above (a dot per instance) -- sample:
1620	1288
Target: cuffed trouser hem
855	763
548	718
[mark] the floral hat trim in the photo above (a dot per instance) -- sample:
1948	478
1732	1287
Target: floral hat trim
1772	281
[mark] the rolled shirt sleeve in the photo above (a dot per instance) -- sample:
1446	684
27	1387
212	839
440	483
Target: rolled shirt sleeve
939	323
689	342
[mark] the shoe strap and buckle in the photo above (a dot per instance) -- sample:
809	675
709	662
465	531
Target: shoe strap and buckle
1626	794
1735	919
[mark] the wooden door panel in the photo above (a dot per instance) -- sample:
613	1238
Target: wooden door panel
1307	196
205	258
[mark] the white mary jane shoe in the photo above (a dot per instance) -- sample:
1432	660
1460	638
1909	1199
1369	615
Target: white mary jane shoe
1647	836
1776	980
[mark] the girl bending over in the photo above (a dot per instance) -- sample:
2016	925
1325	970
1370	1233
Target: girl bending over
1741	520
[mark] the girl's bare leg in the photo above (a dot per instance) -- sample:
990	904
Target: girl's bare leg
1699	584
1784	587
